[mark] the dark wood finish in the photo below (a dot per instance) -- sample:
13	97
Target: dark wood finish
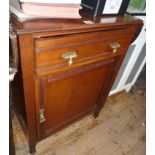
68	93
49	27
73	94
47	61
27	64
87	37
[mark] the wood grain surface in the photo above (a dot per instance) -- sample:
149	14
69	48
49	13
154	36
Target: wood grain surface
57	91
119	130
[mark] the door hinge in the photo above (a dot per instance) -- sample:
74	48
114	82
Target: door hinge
42	117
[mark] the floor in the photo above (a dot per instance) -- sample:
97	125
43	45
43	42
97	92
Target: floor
119	130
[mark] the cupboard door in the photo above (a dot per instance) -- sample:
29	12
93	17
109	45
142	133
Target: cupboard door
70	95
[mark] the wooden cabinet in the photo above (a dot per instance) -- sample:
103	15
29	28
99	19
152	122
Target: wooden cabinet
66	69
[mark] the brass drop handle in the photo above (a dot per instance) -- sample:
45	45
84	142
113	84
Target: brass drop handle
42	117
69	56
114	46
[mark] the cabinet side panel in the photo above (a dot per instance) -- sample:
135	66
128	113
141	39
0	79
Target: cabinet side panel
18	97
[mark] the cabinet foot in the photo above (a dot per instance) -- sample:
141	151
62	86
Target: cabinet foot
96	114
32	149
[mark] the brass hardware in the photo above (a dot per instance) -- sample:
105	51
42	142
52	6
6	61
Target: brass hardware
69	56
42	117
114	46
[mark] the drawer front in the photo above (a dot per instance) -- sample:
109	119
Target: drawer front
54	54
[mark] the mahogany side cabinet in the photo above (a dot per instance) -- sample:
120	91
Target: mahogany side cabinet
66	68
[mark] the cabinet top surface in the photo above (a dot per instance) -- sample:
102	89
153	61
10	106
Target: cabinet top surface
86	22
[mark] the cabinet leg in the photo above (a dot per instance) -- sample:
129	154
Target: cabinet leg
32	149
96	114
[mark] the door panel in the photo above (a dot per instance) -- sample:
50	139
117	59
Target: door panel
70	95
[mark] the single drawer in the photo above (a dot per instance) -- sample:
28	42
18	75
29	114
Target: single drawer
66	52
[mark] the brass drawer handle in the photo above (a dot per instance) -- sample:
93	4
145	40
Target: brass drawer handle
69	56
114	46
